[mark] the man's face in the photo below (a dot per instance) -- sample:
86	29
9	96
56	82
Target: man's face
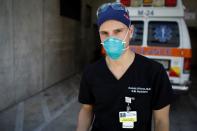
116	29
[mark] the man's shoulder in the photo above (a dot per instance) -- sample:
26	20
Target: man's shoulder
147	62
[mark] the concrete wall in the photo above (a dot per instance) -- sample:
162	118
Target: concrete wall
7	89
38	48
60	40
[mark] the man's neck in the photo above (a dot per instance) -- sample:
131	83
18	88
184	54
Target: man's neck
125	60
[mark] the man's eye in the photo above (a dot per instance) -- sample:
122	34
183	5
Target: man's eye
118	31
103	33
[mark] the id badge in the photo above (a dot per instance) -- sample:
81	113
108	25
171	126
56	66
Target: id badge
127	118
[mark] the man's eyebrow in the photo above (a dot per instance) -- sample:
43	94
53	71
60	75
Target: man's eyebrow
122	28
103	31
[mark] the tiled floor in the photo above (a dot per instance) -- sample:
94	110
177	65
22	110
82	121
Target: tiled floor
54	109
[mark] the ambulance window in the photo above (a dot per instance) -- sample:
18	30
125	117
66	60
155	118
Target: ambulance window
163	34
137	38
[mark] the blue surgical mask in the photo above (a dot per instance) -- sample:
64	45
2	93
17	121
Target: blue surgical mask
114	47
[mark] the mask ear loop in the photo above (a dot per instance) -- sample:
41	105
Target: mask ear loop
125	38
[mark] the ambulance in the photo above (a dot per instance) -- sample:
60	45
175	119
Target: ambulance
161	34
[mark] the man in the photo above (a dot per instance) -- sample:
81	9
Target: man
123	90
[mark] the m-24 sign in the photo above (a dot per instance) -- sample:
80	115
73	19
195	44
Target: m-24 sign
145	12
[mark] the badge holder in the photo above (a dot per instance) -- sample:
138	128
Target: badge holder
128	117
